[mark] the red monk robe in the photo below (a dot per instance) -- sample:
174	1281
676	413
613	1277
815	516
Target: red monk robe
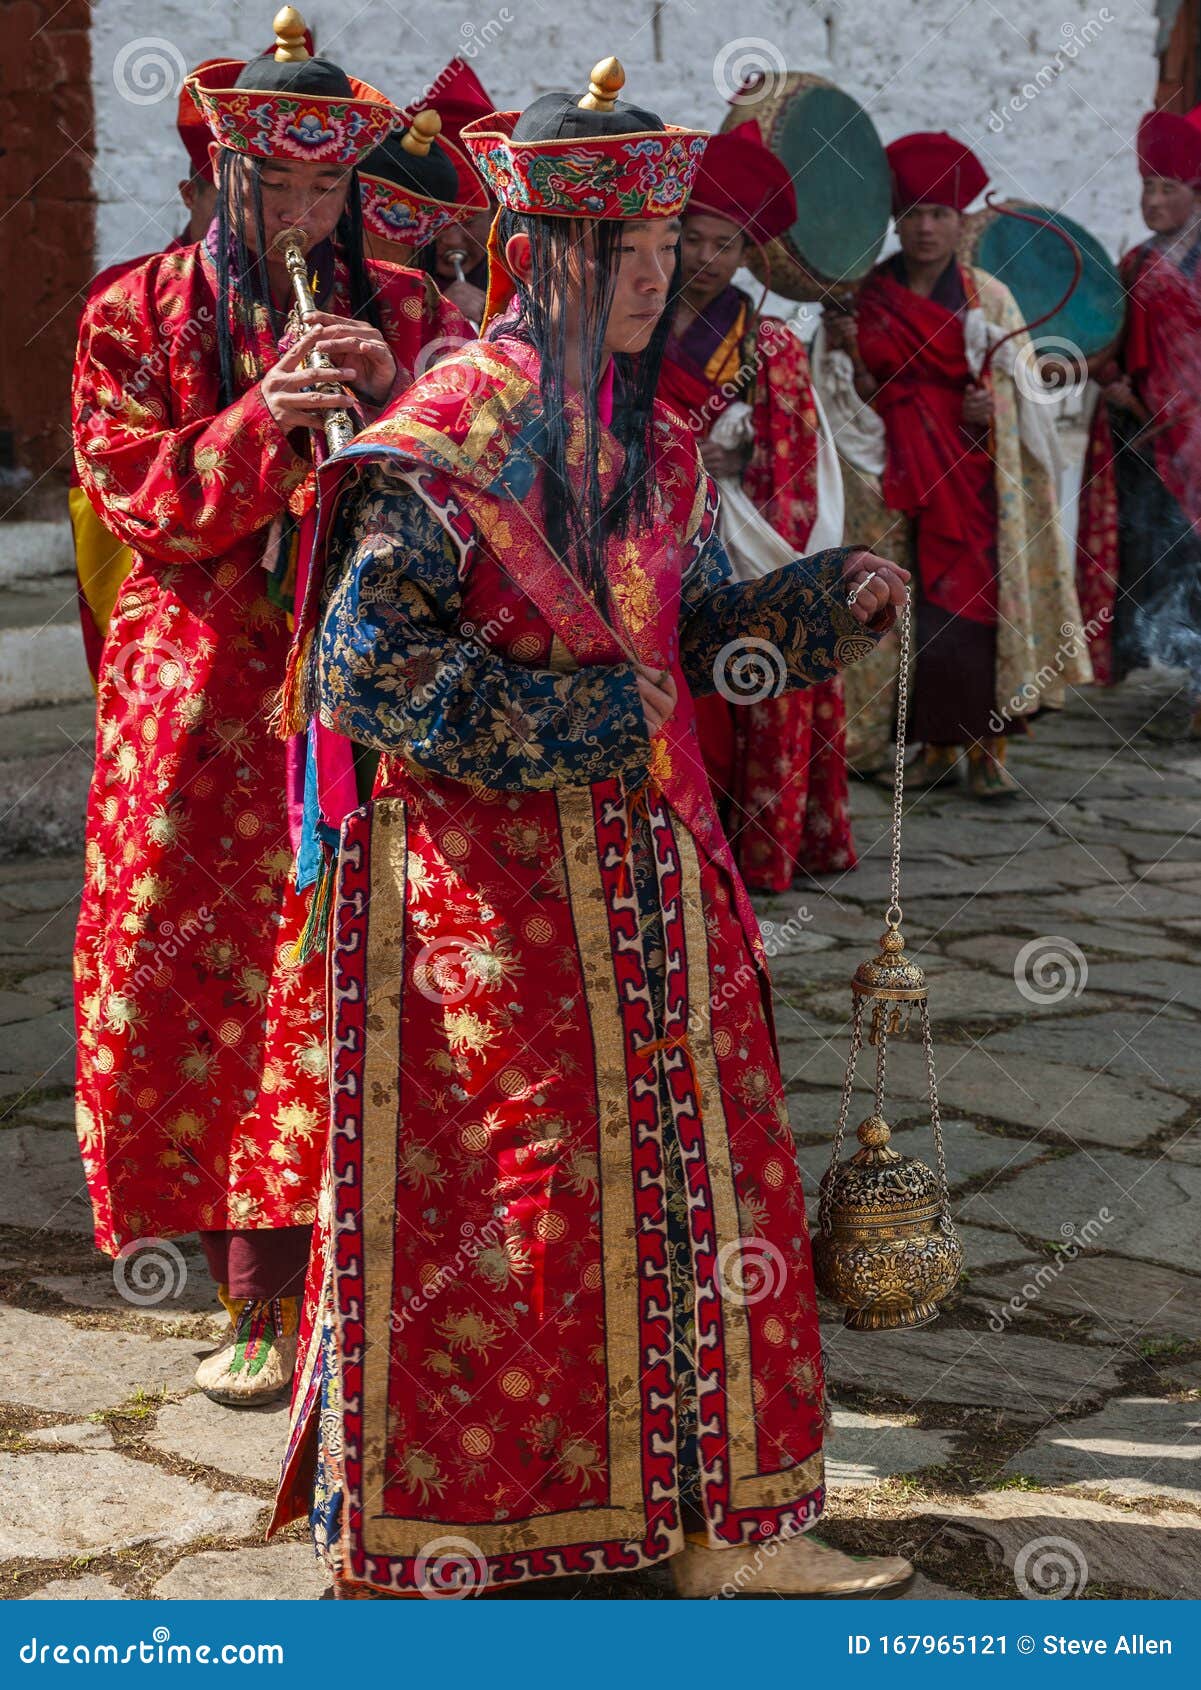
201	1079
935	472
778	766
1140	498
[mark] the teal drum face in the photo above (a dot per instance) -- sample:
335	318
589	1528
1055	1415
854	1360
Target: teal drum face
841	176
1036	266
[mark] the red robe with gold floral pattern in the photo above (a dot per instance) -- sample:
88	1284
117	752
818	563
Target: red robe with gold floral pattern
778	766
201	1069
545	970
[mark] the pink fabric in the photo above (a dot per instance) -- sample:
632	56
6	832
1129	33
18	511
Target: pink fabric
604	395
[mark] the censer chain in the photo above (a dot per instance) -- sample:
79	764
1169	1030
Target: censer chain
893	913
848	1084
893	916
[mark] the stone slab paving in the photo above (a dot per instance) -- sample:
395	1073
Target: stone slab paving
1072	1104
63	1505
81	1434
287	1572
1028	1377
865	1448
41	1181
88	1587
1135	1446
1056	1107
46	1363
248	1444
1145	1044
1135	1207
983	1248
164	1297
21	1006
1073	1541
1125	1299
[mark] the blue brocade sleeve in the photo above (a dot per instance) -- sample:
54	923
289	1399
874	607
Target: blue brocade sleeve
787	630
396	671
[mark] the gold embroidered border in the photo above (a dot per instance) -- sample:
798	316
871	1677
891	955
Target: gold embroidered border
625	1517
748	1487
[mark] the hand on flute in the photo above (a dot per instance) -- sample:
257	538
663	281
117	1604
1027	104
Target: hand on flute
289	389
359	348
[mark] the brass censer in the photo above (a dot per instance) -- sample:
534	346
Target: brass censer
886	1251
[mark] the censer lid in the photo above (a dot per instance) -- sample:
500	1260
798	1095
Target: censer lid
878	1184
890	974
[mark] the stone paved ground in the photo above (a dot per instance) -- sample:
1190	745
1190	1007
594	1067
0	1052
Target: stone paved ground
1045	1430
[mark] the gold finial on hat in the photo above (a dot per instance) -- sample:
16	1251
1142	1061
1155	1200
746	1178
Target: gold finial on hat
421	134
605	84
289	29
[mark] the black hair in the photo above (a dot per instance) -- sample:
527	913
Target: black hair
579	521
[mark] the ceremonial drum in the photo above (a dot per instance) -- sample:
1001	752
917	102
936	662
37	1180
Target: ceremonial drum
842	181
1036	266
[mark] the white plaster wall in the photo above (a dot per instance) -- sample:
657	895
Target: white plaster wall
915	64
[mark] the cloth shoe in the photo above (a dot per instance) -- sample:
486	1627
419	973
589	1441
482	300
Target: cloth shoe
254	1362
937	763
797	1566
987	775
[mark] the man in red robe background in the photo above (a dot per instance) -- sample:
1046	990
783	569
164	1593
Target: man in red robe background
911	362
778	764
201	1090
1139	538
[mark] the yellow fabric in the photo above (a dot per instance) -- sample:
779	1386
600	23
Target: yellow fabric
233	1305
101	561
724	365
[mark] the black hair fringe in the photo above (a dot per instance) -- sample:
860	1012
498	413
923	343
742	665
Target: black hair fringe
579	522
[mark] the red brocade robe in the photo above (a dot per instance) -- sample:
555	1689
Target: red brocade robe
934	472
485	1372
1161	354
201	1085
778	766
